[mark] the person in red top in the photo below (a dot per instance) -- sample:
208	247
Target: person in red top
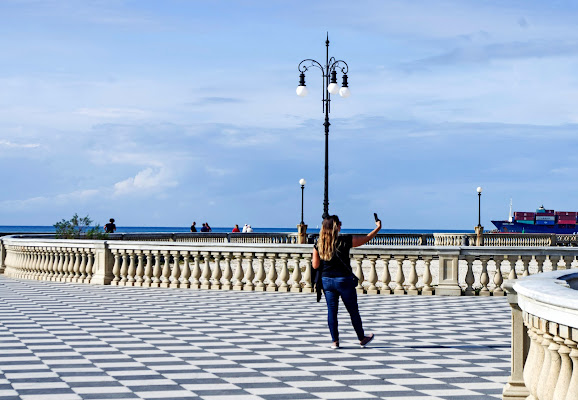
236	228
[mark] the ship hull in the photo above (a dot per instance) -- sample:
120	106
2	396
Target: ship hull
506	226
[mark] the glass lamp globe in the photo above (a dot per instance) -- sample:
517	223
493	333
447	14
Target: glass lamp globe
302	182
479	189
344	92
302	91
333	88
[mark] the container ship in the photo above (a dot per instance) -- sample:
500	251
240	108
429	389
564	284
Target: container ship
541	221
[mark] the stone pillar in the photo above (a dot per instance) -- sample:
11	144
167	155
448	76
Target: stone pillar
516	389
302	234
2	257
479	235
103	263
448	276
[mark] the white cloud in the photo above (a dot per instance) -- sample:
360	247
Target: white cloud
11	145
149	179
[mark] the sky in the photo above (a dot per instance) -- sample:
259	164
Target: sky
160	113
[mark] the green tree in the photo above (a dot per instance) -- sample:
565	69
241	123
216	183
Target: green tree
78	227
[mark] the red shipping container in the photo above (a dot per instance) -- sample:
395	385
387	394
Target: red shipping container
519	218
567	213
567	221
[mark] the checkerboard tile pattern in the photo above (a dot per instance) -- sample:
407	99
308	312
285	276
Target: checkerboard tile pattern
62	341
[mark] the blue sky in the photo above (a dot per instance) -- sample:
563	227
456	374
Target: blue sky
158	113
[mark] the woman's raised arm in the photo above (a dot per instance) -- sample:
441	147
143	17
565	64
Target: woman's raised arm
359	240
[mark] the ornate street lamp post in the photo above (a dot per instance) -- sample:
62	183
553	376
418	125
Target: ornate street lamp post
479	228
302	228
330	86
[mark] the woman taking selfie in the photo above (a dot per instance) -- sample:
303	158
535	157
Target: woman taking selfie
331	254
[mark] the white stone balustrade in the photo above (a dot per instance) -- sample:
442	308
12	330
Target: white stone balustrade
382	270
544	336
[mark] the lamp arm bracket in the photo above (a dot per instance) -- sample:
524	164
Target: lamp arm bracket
338	64
308	63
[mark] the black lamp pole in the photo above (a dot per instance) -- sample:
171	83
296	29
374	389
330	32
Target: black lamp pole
479	208
302	191
329	73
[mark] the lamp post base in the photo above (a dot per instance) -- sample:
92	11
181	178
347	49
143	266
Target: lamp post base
302	234
479	235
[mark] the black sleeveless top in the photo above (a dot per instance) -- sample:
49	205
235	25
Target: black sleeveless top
339	265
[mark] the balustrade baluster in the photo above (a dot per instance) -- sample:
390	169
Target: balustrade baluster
217	273
176	272
427	289
156	281
124	268
89	266
543	379
555	361
238	277
526	260
399	277
260	275
412	280
532	358
165	279
196	272
358	260
116	268
130	280
249	272
308	288
206	272
51	265
540	261
296	277
139	269
148	271
185	271
372	278
76	268
470	279
568	260
82	268
512	274
498	278
385	277
484	277
272	276
227	273
565	370
572	393
65	266
284	275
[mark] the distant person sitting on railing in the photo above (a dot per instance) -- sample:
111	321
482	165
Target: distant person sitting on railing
193	227
331	256
204	228
249	229
236	229
208	227
110	227
245	228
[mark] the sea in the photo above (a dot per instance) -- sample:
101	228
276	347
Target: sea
180	229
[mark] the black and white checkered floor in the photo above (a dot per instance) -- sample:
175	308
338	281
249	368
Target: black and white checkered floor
70	341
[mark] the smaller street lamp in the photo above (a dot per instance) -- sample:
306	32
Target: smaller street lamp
479	229
302	228
302	182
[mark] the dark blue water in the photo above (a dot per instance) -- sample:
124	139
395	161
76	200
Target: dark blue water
173	229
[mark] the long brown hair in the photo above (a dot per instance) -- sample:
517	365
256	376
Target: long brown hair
328	237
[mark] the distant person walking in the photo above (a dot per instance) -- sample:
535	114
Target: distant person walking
110	227
331	256
236	229
193	227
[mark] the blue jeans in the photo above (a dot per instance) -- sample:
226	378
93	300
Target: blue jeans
344	287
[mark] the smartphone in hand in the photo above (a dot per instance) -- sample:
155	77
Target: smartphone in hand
375	216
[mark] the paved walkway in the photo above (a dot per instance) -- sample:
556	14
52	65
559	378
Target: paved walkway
70	341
